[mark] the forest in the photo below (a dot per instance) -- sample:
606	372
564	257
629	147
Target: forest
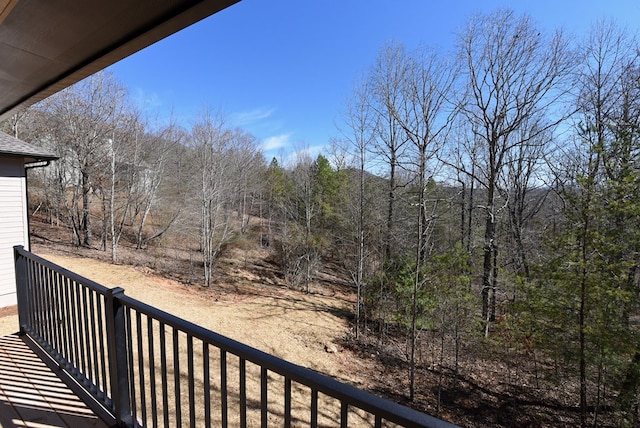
483	204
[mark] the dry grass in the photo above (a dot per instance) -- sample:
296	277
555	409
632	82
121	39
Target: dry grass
292	325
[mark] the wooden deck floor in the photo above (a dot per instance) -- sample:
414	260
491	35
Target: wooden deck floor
31	395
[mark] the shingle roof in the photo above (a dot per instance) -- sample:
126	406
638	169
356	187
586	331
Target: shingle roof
14	147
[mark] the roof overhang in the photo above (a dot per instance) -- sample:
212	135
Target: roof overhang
13	147
46	46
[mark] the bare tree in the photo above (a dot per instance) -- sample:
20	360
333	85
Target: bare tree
115	186
513	73
80	121
211	144
17	122
221	159
248	166
386	80
524	188
423	117
460	153
304	254
161	148
361	125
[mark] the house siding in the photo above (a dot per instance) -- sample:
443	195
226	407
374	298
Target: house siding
13	223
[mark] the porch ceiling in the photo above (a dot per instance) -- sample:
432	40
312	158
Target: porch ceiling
47	45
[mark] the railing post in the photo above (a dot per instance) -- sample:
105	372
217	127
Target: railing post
22	285
118	361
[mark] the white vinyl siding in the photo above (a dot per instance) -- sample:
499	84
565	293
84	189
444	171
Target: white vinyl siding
13	231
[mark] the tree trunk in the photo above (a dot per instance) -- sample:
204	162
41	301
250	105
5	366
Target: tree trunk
487	270
581	327
390	207
85	223
112	204
360	262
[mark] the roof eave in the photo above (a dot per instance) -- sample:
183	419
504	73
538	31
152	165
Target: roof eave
189	13
30	157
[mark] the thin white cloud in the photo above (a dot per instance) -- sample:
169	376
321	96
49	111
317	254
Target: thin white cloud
252	116
146	101
310	153
276	142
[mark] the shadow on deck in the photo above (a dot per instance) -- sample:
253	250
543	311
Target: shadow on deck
32	395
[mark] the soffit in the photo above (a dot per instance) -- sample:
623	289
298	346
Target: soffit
48	45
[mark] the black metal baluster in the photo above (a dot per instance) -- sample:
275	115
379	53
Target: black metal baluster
314	408
207	384
102	337
81	333
287	402
141	377
40	288
223	388
74	325
152	372
64	296
176	377
132	376
344	413
87	332
243	393
55	308
42	291
94	337
191	382
264	383
163	375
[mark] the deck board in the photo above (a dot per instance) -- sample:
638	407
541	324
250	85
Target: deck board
31	395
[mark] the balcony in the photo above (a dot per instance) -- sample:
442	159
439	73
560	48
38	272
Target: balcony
134	365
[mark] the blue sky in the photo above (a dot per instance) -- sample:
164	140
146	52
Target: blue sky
282	69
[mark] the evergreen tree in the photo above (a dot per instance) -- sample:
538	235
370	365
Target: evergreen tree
588	288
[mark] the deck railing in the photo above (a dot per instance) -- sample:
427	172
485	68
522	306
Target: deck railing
136	365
